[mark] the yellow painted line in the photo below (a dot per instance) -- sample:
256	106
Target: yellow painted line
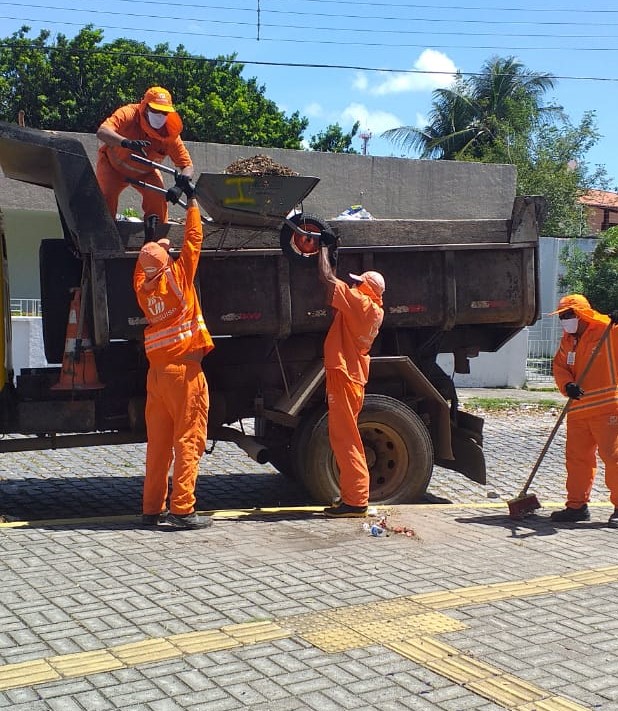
37	671
84	663
461	669
233	514
203	642
554	703
149	650
423	649
128	518
507	690
254	632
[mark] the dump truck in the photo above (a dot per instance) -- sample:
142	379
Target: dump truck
453	286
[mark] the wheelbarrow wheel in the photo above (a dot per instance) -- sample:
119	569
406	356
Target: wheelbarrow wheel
298	247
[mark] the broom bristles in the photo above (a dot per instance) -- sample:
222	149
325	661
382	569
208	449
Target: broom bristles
523	506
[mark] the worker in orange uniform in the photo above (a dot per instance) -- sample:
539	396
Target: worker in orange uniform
592	418
176	340
151	129
357	320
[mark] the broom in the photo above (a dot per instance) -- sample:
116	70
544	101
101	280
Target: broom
524	504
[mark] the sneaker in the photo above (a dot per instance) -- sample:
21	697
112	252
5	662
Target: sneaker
613	519
189	521
153	519
571	515
342	510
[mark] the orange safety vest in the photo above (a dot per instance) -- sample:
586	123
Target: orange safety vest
356	323
176	327
599	385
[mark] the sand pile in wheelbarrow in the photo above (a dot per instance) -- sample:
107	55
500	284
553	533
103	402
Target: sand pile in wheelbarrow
258	165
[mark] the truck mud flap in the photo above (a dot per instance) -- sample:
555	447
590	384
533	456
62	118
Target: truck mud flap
466	443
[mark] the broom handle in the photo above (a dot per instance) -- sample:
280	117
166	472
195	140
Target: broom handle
566	408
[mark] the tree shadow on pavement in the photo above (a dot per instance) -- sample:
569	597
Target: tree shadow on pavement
533	525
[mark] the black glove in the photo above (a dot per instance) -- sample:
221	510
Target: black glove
573	391
174	194
614	316
328	239
136	146
184	183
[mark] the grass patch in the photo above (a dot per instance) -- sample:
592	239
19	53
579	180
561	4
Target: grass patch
494	404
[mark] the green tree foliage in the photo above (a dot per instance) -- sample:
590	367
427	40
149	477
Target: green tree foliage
594	275
73	84
498	116
468	117
334	140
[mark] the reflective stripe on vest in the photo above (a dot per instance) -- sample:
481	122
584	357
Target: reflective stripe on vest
600	397
174	334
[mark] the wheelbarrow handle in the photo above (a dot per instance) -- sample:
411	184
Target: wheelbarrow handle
152	164
156	188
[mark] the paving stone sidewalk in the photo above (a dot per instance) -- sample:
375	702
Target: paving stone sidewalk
294	611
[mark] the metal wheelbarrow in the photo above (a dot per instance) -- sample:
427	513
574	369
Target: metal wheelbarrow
258	201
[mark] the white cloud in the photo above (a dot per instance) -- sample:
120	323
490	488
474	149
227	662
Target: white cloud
429	61
375	121
361	83
313	110
421	120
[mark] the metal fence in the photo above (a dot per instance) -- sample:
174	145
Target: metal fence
543	341
26	307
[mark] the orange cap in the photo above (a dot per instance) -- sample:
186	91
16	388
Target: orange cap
159	99
373	279
577	302
153	258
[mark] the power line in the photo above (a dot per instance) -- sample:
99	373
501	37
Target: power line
297	65
298	40
295	12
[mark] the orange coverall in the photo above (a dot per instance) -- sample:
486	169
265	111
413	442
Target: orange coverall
114	164
592	421
176	339
357	320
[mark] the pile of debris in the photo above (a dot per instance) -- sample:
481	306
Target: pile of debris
258	165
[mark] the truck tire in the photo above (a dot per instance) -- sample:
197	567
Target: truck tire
60	271
297	247
397	445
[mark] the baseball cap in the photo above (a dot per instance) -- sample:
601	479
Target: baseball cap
576	302
159	99
153	258
373	279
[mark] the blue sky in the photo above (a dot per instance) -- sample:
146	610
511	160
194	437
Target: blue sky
373	61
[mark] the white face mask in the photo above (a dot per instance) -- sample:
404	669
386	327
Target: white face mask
156	120
570	325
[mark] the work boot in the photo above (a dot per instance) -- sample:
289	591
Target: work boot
150	228
613	519
342	510
569	515
189	521
153	519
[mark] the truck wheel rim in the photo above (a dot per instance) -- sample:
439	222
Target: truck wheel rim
387	458
303	245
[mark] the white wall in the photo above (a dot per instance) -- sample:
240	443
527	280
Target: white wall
504	369
28	350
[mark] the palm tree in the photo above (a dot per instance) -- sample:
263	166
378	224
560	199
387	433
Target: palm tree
470	115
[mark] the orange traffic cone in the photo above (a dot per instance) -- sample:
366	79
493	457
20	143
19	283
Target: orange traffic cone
79	369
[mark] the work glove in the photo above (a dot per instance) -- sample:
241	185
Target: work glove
614	316
328	239
174	194
184	183
573	391
136	146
